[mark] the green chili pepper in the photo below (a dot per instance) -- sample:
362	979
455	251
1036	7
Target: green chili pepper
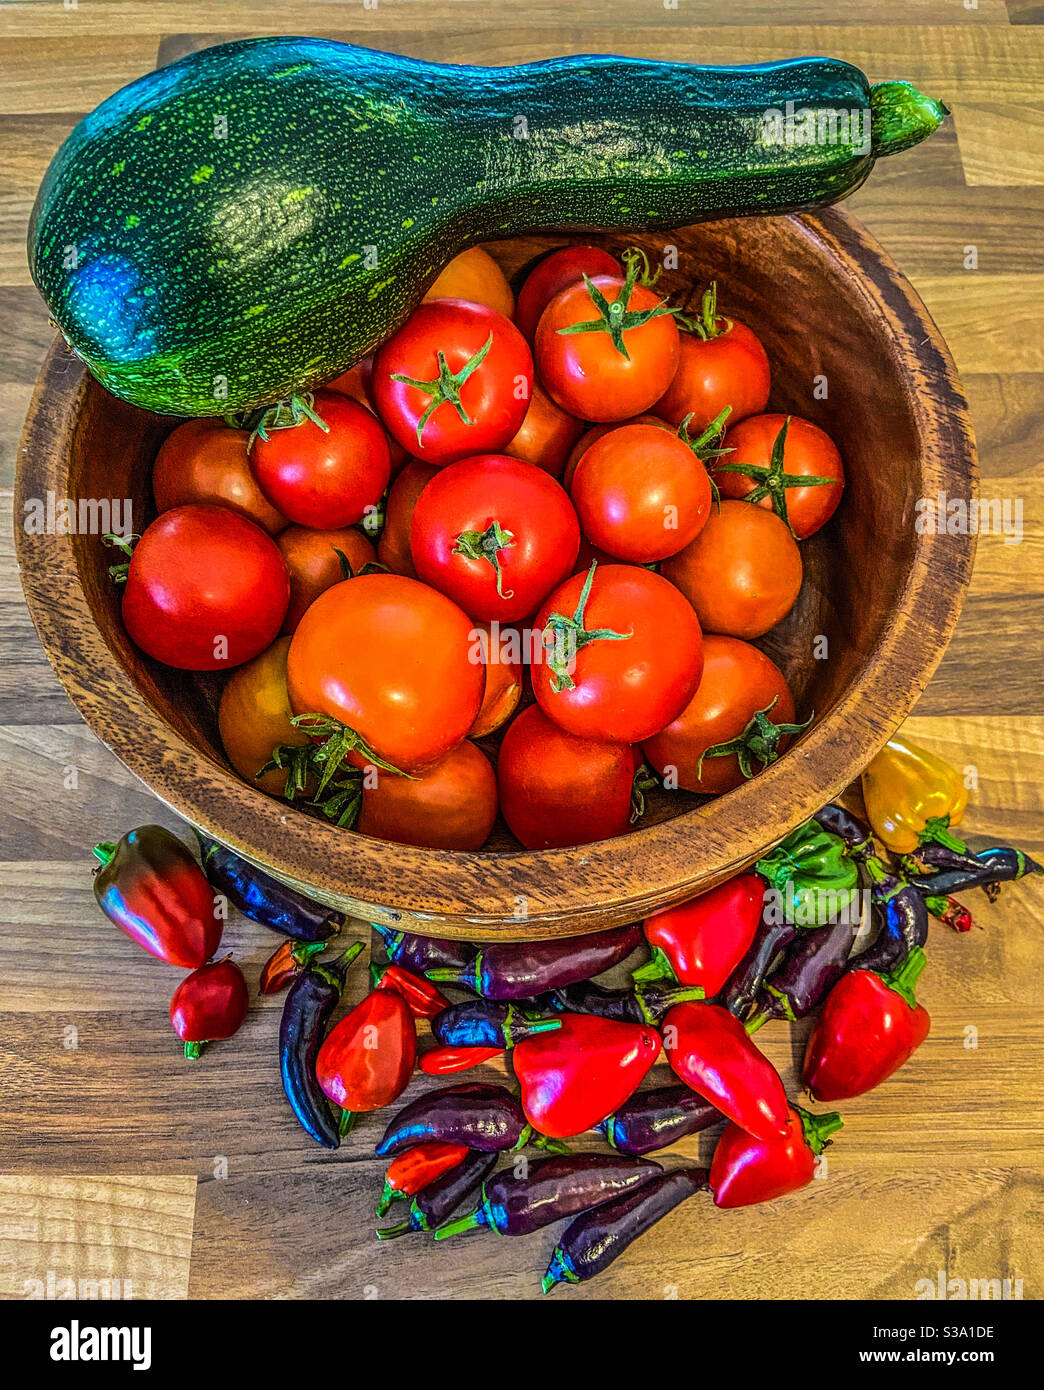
814	878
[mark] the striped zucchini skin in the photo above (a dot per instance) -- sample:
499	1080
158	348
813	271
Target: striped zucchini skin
250	221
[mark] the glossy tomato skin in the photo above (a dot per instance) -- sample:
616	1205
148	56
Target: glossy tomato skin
494	397
742	573
562	268
557	789
206	461
313	564
738	680
357	382
595	433
393	548
254	717
417	689
624	690
808	450
585	373
729	370
475	276
451	805
640	493
329	478
211	1003
469	497
547	434
206	589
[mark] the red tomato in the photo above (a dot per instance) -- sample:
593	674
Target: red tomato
503	682
727	368
314	565
640	493
595	433
357	382
738	680
495	534
554	273
547	434
329	478
587	372
451	805
206	461
806	452
742	573
557	789
393	548
390	659
206	589
210	1004
476	375
623	688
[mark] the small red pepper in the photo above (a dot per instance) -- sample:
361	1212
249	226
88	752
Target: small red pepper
574	1077
444	1061
152	888
287	962
870	1025
367	1058
745	1170
702	941
208	1005
413	1170
425	999
709	1049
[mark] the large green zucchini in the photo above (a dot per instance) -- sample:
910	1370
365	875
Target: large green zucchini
251	220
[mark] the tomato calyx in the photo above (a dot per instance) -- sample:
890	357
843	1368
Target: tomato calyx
758	742
702	445
338	741
487	545
446	386
647	277
644	781
710	323
614	316
287	415
568	635
118	573
772	482
370	567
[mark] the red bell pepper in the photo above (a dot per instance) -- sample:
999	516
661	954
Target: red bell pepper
152	888
869	1026
286	962
444	1061
702	941
574	1077
745	1170
408	1173
367	1059
208	1005
425	999
709	1049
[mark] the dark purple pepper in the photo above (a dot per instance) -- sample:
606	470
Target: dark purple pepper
489	1023
263	898
903	917
652	1120
992	868
483	1117
810	970
423	953
549	1190
839	821
741	988
441	1198
645	1003
592	1241
310	1002
519	970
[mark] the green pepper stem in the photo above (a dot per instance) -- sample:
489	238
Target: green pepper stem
471	1222
388	1195
904	977
818	1128
657	967
193	1050
391	1232
105	852
347	1122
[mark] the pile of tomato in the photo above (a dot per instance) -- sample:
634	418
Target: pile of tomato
564	519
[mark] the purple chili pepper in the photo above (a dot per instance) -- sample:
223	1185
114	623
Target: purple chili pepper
423	953
483	1117
645	1003
489	1023
651	1120
838	820
441	1198
519	970
741	988
904	924
810	970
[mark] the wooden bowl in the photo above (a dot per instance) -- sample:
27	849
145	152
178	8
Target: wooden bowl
833	313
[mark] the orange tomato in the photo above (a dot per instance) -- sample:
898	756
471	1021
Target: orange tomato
356	383
393	548
206	461
313	564
547	435
254	716
451	805
503	688
474	275
594	434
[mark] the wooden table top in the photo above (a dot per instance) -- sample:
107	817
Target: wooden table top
120	1161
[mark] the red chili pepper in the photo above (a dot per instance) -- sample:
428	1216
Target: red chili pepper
869	1026
574	1077
443	1061
208	1005
413	1170
286	962
709	1049
367	1059
702	941
152	888
745	1170
425	999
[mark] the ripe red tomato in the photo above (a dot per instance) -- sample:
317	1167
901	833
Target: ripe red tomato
451	805
588	372
314	565
557	789
624	688
742	573
495	534
595	433
566	266
390	659
640	493
465	376
357	382
807	451
324	478
727	366
206	589
738	681
206	461
547	434
393	548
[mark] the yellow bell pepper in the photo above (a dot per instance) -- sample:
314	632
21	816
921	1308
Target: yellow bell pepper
912	796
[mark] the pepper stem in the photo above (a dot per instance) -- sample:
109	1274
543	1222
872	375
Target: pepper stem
471	1222
105	853
657	967
388	1195
347	1122
390	1232
193	1050
551	1146
904	977
819	1128
937	829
